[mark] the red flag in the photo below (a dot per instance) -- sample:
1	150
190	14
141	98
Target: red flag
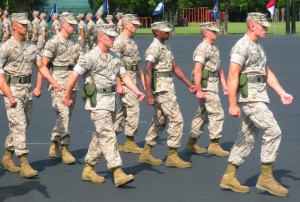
271	7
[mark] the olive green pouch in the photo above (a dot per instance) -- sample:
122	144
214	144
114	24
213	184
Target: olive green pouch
154	78
205	74
243	85
91	93
7	78
83	94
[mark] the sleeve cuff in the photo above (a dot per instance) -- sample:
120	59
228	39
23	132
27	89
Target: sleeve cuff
150	58
79	70
48	54
200	59
122	70
2	71
237	59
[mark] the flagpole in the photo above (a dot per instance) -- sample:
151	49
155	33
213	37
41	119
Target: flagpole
107	7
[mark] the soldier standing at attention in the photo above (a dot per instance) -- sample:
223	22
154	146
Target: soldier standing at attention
207	74
1	26
17	57
42	31
90	30
81	30
160	68
120	23
35	25
7	30
55	27
100	67
99	19
109	19
249	73
128	115
63	52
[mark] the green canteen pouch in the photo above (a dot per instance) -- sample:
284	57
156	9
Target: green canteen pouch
7	78
90	89
243	85
83	94
154	78
205	74
93	100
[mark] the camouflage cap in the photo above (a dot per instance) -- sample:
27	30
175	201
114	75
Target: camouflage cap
89	15
131	18
43	15
107	29
5	13
80	15
21	18
259	18
35	13
99	13
68	17
109	16
162	26
54	14
119	14
209	26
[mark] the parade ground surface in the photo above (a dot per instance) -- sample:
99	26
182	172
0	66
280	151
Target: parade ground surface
60	182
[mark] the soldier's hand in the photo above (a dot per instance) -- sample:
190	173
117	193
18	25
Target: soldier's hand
225	91
67	102
120	89
37	92
13	103
141	96
286	99
56	87
200	94
193	89
235	111
150	100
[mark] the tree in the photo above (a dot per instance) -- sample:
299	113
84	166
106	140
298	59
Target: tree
18	5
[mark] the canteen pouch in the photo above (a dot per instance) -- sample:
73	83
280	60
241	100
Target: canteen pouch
205	74
90	92
7	78
243	85
154	78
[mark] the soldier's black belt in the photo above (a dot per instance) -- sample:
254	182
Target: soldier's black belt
256	79
132	68
164	74
110	89
64	68
213	74
20	80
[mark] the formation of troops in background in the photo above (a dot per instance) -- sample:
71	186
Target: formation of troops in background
108	58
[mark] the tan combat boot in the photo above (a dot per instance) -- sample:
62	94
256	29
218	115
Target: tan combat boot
8	163
67	157
146	157
130	146
174	160
216	149
121	178
89	174
267	182
191	146
54	151
26	170
229	180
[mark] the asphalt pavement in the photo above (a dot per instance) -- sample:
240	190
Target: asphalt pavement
60	182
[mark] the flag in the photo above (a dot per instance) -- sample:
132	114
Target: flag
271	7
54	10
104	8
216	10
159	8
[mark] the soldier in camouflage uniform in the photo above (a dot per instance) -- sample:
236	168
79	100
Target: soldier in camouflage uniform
62	51
35	25
100	67
1	28
90	31
210	111
81	30
55	27
120	23
128	115
99	19
17	57
7	31
42	32
249	60
160	68
109	19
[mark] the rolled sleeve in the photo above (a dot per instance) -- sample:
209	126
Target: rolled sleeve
122	70
200	59
2	71
238	59
151	58
48	54
81	71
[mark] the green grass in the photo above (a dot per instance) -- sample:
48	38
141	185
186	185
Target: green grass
233	28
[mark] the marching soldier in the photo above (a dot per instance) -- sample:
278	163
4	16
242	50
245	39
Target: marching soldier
7	30
81	30
17	57
101	67
99	19
120	23
55	27
90	30
42	32
35	25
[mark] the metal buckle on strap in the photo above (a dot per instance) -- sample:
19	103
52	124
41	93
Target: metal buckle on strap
213	74
110	89
20	80
63	68
165	74
131	68
256	79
